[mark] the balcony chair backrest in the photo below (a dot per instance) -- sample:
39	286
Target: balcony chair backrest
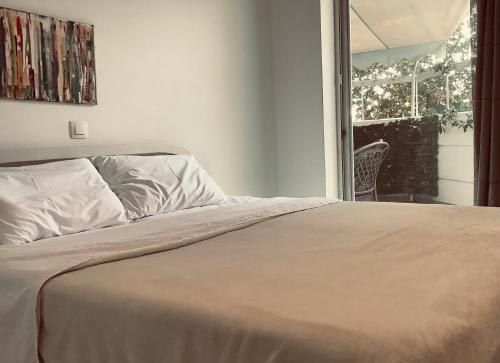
367	161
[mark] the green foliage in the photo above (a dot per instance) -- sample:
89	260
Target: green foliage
394	100
385	101
450	118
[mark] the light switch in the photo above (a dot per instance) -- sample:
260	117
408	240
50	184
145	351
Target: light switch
79	129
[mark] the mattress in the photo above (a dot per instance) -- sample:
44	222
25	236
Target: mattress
266	281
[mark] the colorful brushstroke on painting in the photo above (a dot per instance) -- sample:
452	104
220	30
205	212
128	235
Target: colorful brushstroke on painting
46	59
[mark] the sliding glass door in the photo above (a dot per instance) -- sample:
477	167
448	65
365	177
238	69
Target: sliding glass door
407	112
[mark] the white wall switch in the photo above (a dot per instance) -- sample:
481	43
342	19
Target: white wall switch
79	129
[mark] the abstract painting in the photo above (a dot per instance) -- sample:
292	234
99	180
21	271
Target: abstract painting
46	59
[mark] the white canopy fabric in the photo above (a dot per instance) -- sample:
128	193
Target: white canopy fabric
387	30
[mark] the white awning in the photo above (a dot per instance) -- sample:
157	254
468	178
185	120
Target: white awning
387	30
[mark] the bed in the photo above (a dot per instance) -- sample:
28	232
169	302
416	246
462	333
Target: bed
260	280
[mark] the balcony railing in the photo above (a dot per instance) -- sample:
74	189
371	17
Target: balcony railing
423	164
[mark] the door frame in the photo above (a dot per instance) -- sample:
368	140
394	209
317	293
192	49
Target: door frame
343	85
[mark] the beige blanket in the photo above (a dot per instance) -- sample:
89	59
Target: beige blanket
25	269
344	283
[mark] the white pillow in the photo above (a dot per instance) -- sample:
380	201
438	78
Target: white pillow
151	185
55	199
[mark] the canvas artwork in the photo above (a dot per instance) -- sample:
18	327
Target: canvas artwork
46	59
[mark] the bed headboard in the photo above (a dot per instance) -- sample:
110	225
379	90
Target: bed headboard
33	156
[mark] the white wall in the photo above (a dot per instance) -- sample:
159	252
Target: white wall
456	166
299	88
194	73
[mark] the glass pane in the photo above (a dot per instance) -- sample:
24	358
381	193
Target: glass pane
412	110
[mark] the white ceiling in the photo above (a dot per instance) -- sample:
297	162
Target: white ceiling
386	24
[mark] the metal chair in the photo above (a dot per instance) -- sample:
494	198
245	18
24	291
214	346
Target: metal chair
367	161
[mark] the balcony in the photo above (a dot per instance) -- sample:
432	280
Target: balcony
425	164
412	88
